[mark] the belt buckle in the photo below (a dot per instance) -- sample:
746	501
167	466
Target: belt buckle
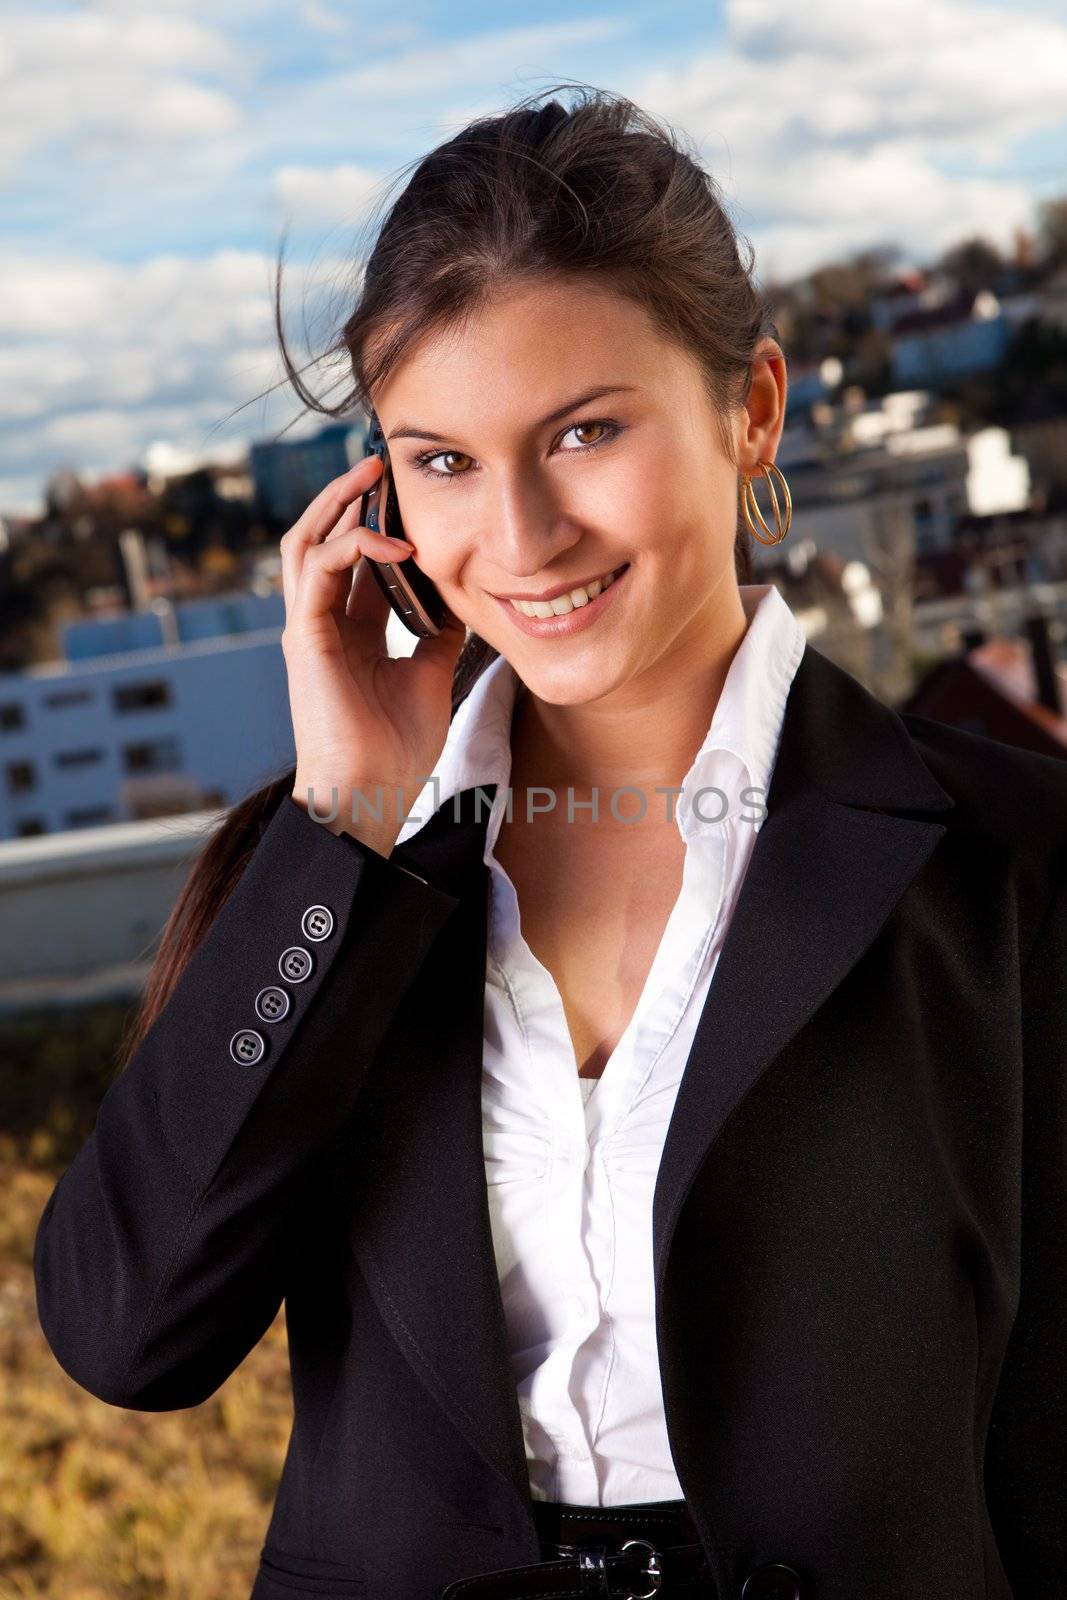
652	1569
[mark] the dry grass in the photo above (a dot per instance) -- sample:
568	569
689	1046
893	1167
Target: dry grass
97	1503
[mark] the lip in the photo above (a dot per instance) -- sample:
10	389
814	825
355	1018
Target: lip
573	621
561	588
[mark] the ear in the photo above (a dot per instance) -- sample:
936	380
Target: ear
763	415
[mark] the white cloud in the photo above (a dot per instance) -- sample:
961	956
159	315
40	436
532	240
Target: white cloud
313	14
431	69
100	80
848	36
832	126
334	193
98	360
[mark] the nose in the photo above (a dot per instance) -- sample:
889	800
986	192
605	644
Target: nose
528	530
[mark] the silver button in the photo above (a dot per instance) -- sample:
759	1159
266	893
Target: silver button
272	1003
247	1047
317	923
295	963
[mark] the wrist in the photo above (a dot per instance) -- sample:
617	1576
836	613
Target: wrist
352	809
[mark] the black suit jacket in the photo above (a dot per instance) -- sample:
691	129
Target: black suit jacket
859	1219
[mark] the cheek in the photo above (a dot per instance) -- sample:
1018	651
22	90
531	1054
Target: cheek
665	515
660	495
443	555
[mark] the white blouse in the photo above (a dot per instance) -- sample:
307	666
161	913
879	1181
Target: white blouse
571	1163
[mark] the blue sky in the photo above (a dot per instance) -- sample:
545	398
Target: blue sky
150	158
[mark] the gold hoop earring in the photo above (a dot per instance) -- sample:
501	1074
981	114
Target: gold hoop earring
748	499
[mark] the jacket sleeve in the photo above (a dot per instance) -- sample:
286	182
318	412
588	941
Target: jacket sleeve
159	1258
1026	1450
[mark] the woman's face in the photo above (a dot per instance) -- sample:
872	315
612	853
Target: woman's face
503	502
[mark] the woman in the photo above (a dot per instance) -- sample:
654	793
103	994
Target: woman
601	1278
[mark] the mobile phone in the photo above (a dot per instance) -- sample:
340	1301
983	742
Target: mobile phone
416	601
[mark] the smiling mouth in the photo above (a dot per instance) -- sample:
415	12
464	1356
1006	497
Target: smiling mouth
572	600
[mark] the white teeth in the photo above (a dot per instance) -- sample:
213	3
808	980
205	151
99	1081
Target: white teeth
565	602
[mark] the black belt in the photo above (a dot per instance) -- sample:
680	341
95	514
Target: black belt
644	1551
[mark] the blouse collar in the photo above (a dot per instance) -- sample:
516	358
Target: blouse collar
745	724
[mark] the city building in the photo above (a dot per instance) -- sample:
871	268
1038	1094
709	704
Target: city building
873	476
151	714
288	473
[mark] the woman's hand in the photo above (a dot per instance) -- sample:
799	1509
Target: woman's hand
360	717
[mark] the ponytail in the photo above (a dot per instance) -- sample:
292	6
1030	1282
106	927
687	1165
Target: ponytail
207	888
223	859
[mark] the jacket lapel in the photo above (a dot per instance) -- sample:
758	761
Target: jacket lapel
836	851
834	854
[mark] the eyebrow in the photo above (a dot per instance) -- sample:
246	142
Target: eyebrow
408	430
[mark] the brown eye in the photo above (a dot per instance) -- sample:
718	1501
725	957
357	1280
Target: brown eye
424	463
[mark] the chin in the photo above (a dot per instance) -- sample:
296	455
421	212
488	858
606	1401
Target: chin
569	685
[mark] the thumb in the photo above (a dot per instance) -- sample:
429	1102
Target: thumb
442	651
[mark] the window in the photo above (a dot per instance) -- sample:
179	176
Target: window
28	827
78	758
154	755
21	777
12	717
60	699
142	696
88	816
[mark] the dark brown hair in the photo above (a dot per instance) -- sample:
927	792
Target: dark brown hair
542	191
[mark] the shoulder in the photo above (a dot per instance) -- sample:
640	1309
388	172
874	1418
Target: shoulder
1007	800
979	771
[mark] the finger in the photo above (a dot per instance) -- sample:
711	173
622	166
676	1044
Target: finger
352	607
441	650
321	516
325	574
366	603
350	518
